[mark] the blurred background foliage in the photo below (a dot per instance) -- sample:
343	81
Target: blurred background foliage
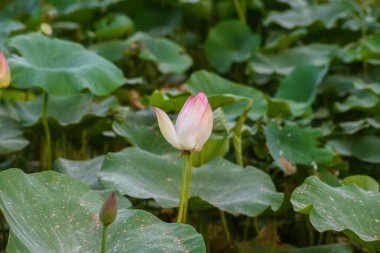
311	68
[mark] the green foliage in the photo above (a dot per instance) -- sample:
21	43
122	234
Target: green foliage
11	138
291	145
294	89
84	171
74	226
285	61
326	206
212	84
61	67
114	26
222	49
141	174
169	56
365	182
306	15
363	147
77	108
143	137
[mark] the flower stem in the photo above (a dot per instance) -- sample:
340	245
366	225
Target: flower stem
225	226
310	231
274	236
188	180
256	225
246	227
237	134
104	239
183	186
47	132
241	10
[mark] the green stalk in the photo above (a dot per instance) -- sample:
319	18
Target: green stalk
246	227
104	239
47	131
244	11
237	134
3	231
202	155
310	231
225	226
183	186
240	9
188	180
274	237
320	238
83	149
237	142
256	225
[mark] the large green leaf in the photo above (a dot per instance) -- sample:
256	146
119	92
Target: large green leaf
228	42
212	84
143	137
150	139
158	21
114	26
307	14
84	171
11	138
51	212
291	145
285	61
296	92
18	7
169	56
9	26
347	208
367	49
144	175
362	100
363	181
112	50
175	102
166	101
263	247
329	248
282	40
364	147
77	107
216	146
61	67
301	84
365	96
352	127
72	6
281	108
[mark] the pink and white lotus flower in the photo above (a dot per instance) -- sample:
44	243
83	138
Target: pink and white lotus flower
193	126
5	74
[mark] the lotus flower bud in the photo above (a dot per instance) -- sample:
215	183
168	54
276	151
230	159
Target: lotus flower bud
5	74
193	126
109	210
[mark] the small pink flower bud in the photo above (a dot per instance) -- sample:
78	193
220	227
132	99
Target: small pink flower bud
108	212
5	74
193	126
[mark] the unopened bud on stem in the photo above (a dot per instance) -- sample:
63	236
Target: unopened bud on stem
109	210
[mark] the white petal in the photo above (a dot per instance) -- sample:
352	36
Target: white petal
167	127
187	125
205	129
